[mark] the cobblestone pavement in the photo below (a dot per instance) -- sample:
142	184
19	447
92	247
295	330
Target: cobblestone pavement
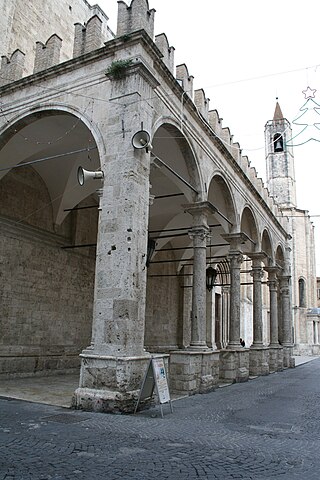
267	428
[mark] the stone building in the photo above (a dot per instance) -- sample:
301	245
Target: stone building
281	184
170	245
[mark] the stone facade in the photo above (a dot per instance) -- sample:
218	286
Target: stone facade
75	271
24	27
282	186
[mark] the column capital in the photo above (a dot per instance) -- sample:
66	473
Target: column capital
235	240
199	210
199	232
236	258
256	258
273	273
284	283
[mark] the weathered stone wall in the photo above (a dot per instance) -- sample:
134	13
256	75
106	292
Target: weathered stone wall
47	291
25	25
163	324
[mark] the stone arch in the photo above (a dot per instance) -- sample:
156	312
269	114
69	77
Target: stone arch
54	140
224	220
280	257
50	321
266	247
171	189
250	228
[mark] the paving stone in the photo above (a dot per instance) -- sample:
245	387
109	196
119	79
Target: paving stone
264	429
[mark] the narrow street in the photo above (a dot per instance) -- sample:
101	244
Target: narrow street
267	428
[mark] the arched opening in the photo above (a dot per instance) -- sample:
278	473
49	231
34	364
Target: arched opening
278	142
302	293
267	249
249	228
49	228
222	222
169	281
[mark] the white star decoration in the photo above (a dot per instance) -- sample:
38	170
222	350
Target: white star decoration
309	92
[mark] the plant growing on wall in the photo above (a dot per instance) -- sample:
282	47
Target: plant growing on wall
118	68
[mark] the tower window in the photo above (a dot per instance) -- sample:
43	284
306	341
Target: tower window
302	293
278	142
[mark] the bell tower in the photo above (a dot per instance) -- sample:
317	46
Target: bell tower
280	161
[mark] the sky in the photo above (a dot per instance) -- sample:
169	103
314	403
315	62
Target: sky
245	54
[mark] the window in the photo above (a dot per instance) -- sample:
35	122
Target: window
302	293
278	142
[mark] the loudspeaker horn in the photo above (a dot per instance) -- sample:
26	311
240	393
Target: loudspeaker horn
141	140
84	175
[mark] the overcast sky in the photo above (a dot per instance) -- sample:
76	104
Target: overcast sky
244	54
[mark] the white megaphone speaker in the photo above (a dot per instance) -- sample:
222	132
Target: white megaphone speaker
84	175
141	140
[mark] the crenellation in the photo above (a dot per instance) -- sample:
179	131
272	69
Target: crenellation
79	39
87	37
47	54
162	43
226	138
214	120
185	80
201	102
93	34
236	151
136	17
245	164
12	69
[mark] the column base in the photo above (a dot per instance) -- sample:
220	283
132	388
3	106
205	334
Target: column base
109	384
275	358
193	372
259	361
234	365
288	360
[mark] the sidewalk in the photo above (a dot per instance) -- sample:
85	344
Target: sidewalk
300	359
58	389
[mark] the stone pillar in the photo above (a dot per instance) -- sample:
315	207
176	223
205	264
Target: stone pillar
199	233
235	259
286	316
113	367
273	293
257	274
225	320
211	317
259	355
285	308
234	361
196	369
275	350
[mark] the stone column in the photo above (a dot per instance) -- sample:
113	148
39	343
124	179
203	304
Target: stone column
257	274
199	233
234	361
112	368
196	369
225	315
273	293
286	311
211	320
275	350
259	354
235	259
286	315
